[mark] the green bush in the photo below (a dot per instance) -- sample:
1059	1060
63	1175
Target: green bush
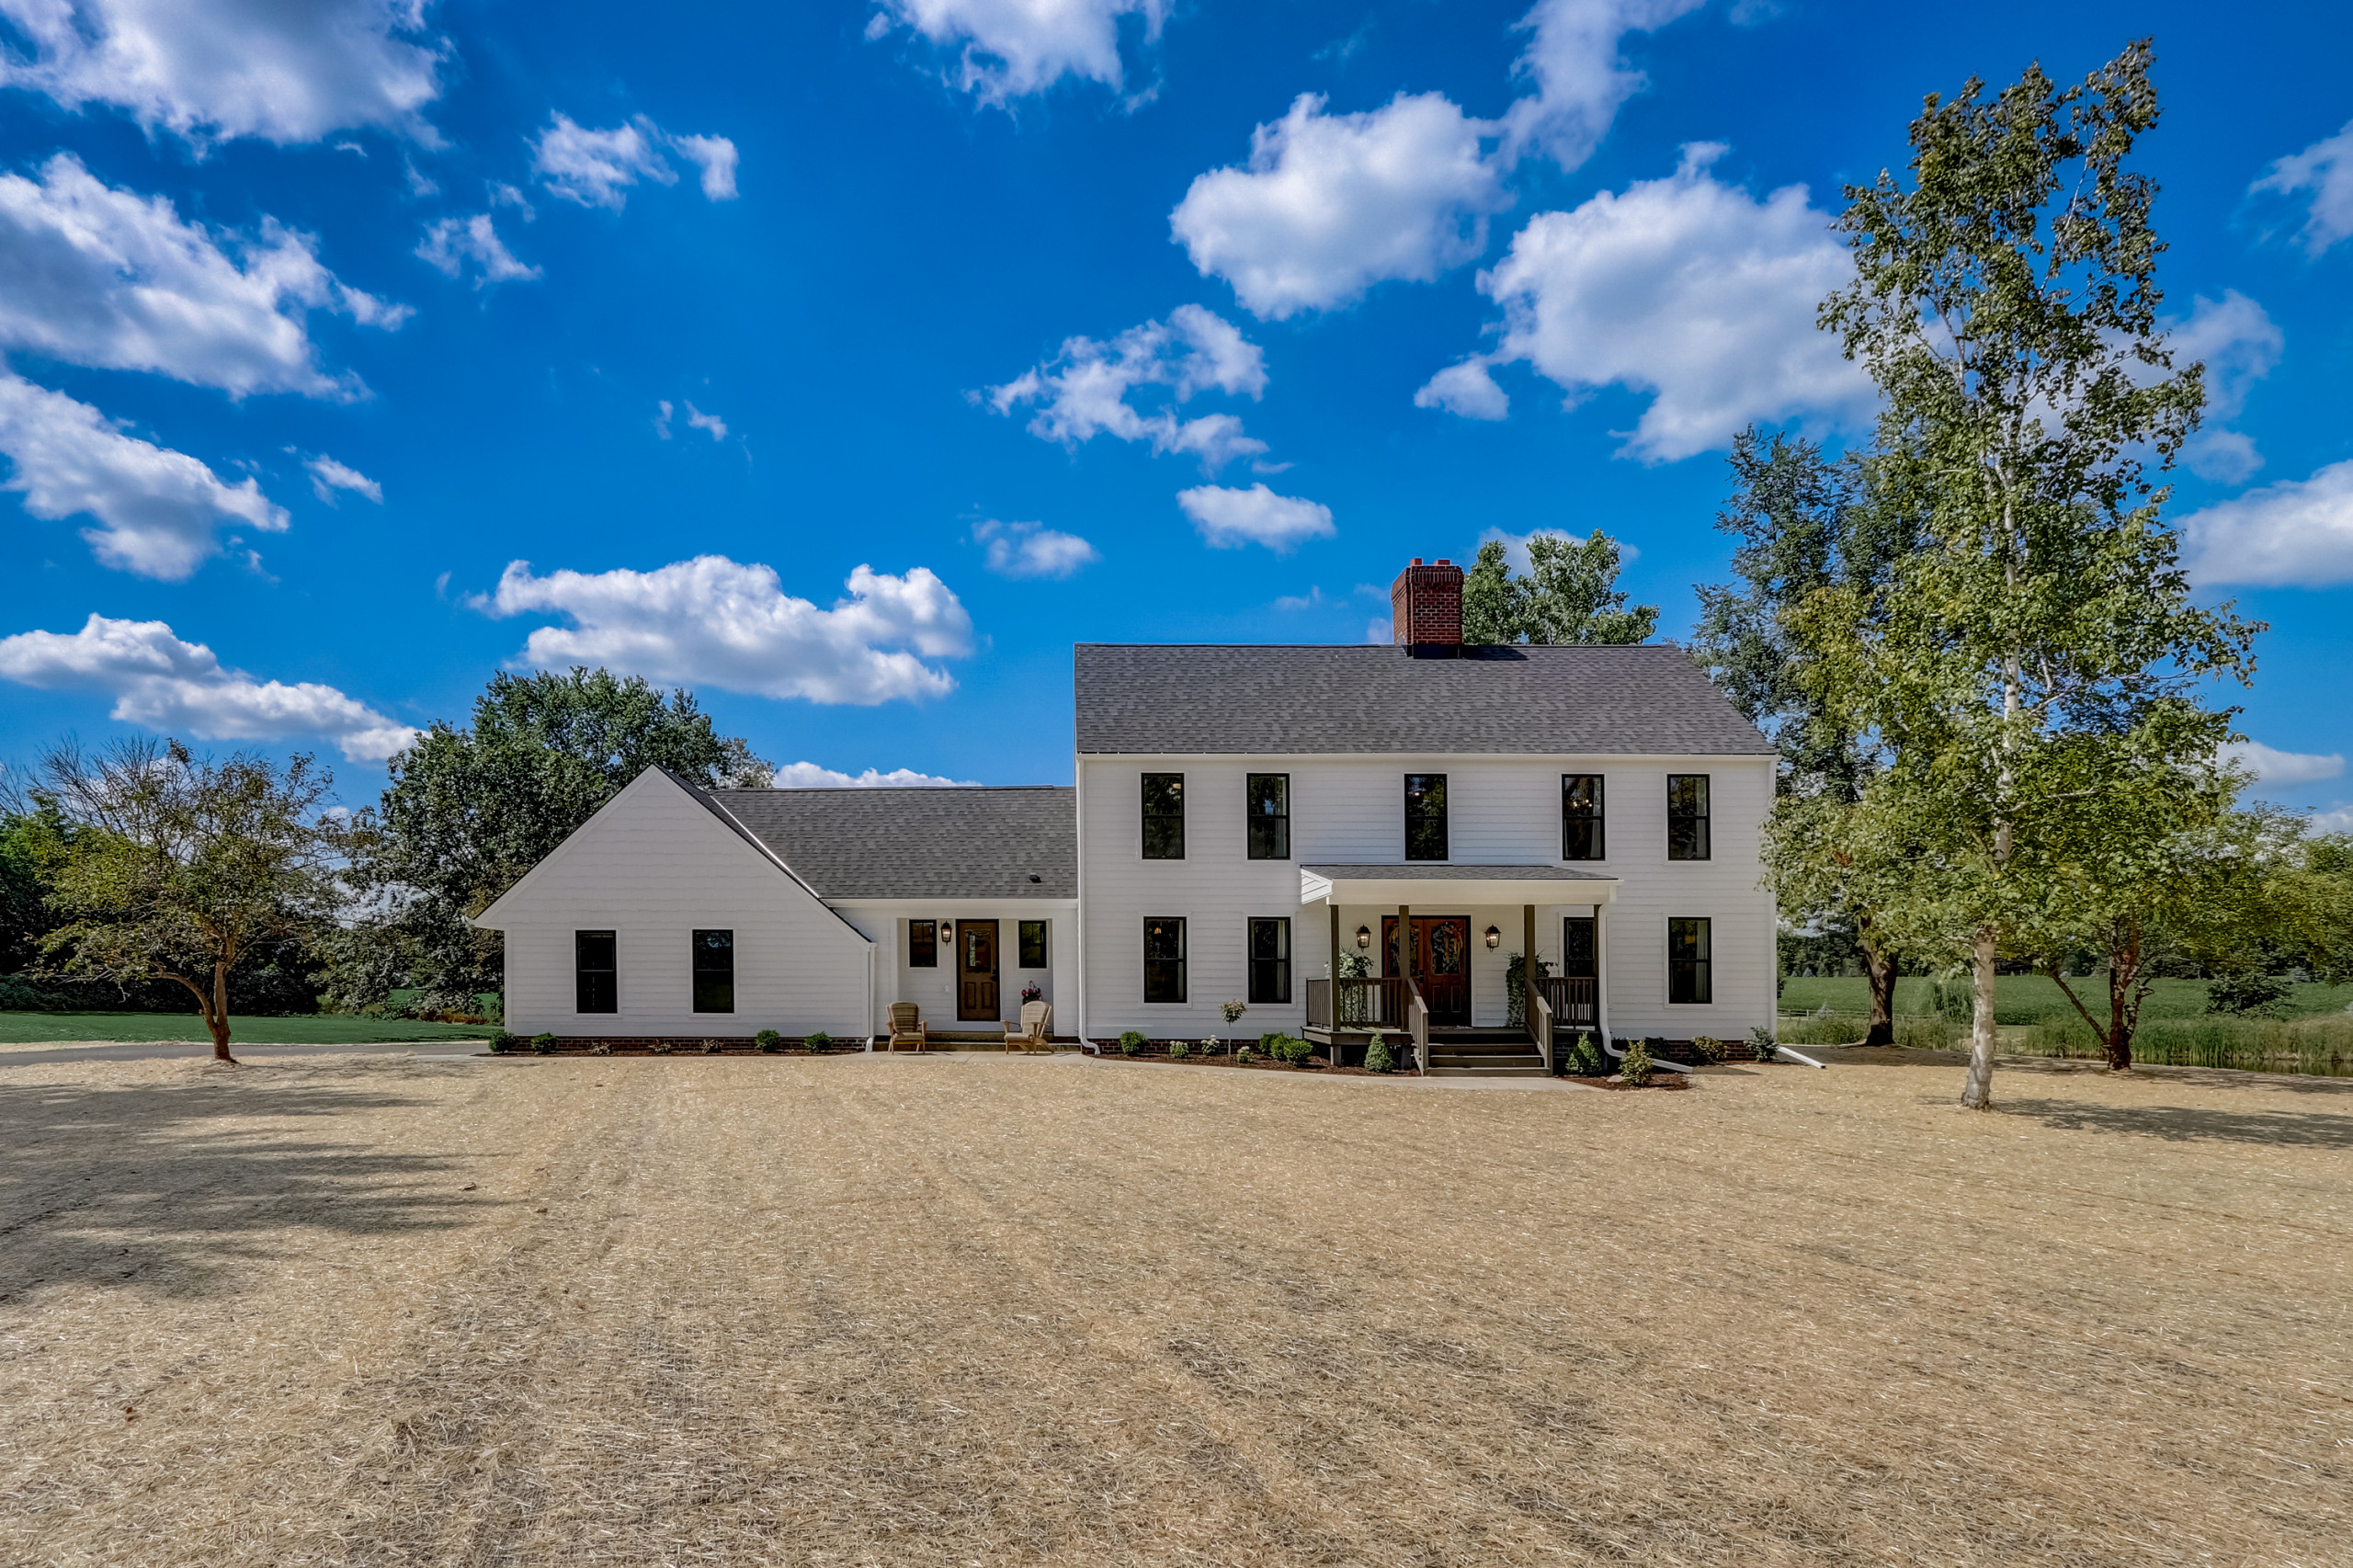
502	1043
1584	1059
817	1040
1296	1050
1635	1067
1377	1057
1178	1051
1954	1000
1927	1034
2246	994
769	1043
1710	1048
1245	1057
543	1044
1131	1042
1761	1043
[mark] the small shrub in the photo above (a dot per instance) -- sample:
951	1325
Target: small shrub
2258	994
1710	1048
1245	1057
1294	1050
1761	1043
543	1044
1586	1061
602	1048
711	1048
1232	1009
818	1040
1377	1058
1131	1042
1211	1045
1635	1067
502	1043
1178	1049
769	1043
662	1048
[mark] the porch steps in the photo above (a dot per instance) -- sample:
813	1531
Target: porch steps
1485	1055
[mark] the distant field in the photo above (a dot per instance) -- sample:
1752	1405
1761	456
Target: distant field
326	1028
2028	998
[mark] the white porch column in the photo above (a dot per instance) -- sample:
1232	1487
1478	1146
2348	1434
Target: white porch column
1601	970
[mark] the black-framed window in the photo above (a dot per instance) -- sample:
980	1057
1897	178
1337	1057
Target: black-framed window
1689	965
714	971
1425	816
1163	958
1270	961
1580	952
1032	945
1163	816
1686	816
596	973
1267	831
1581	834
922	944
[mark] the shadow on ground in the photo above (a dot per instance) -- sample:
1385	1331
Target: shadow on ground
2310	1130
170	1187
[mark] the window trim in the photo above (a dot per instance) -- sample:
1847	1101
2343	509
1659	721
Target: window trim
580	973
696	948
1183	978
1251	819
1704	817
1021	929
1250	959
1703	967
923	937
1446	801
1599	819
1146	816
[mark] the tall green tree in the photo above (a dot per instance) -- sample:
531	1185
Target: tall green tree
1569	595
469	810
2042	639
178	866
1804	525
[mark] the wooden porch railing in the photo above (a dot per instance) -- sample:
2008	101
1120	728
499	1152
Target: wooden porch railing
1539	1025
1417	1018
1377	1003
1574	1002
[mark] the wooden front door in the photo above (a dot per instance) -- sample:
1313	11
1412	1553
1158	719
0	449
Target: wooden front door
1440	962
976	996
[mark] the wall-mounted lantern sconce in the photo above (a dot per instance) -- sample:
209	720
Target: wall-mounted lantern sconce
1494	938
947	928
1364	936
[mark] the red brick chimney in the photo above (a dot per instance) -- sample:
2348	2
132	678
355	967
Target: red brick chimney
1425	607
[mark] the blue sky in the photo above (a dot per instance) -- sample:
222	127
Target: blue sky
847	362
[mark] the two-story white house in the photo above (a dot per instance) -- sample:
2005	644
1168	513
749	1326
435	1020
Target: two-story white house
1338	837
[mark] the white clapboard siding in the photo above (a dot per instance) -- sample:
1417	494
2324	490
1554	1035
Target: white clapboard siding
933	988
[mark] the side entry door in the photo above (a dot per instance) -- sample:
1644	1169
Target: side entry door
976	987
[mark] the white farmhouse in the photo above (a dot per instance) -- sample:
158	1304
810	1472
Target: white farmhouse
1339	838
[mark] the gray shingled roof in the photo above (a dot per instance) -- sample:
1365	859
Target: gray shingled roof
1640	699
939	843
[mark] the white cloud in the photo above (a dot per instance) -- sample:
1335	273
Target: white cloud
810	776
328	476
2338	820
1033	550
204	69
1466	389
450	244
596	168
1083	392
159	511
716	622
698	420
1581	81
1228	520
2239	344
100	277
1380	629
1330	205
2271	767
2325	169
1009	49
162	683
1683	287
2298	533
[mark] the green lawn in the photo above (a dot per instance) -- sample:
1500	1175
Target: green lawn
326	1028
2028	998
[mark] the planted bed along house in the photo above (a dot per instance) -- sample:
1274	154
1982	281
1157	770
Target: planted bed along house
1341	837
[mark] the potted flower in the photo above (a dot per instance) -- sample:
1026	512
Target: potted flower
1032	994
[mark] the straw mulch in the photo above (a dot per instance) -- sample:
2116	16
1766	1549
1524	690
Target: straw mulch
975	1310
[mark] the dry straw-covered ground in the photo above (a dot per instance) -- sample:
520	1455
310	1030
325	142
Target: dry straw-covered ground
967	1310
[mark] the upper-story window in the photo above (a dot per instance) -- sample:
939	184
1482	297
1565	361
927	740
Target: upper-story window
1580	836
1268	830
1425	816
1686	816
1163	816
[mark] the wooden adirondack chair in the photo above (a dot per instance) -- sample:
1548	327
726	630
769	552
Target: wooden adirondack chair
907	1026
1028	1033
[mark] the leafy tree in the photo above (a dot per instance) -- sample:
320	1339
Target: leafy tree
469	810
178	866
29	839
1805	525
1569	595
2040	644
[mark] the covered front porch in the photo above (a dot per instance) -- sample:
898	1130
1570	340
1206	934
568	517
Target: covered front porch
1434	942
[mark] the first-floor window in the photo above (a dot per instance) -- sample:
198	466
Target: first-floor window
1270	961
1164	959
1688	962
922	944
1033	944
596	980
714	971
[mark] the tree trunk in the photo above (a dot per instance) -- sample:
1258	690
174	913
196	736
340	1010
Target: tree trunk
1882	969
2123	969
216	1015
1977	1094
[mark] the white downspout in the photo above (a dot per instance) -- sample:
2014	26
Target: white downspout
1078	916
